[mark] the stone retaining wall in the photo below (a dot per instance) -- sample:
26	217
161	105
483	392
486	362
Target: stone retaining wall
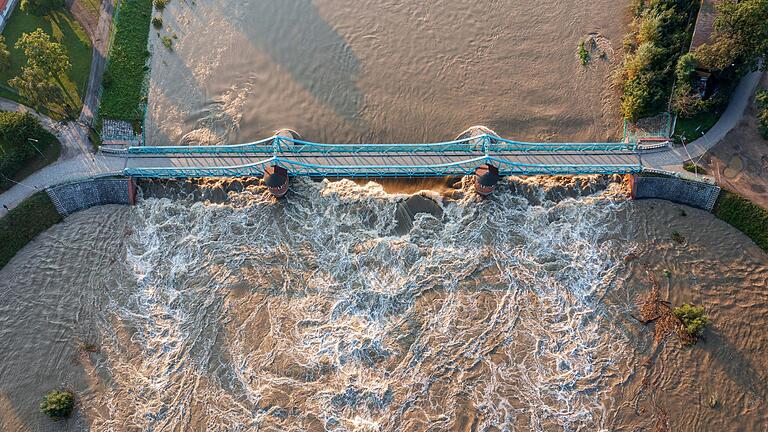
693	193
73	197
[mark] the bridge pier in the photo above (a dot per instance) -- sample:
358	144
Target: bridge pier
486	178
276	180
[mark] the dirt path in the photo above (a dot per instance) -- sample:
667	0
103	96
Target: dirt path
99	62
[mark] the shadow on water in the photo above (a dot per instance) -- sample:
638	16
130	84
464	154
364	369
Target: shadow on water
306	46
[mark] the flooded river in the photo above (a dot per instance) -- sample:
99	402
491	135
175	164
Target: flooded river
352	306
383	70
232	311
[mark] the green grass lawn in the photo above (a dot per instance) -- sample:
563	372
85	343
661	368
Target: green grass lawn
745	216
689	129
63	28
123	81
22	224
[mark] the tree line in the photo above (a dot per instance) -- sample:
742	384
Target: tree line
655	59
739	42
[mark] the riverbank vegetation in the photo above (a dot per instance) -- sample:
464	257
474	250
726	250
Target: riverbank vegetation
24	147
24	222
761	99
124	78
745	216
31	39
660	33
706	77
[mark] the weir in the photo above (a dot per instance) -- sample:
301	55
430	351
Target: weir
477	151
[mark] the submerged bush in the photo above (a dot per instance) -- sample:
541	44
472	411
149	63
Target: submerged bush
58	404
583	54
693	318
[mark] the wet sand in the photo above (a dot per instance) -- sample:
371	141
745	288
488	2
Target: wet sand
193	334
383	70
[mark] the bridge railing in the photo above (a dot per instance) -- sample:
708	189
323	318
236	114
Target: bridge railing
482	144
461	167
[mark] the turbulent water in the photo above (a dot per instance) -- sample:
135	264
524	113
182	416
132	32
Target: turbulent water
383	70
233	311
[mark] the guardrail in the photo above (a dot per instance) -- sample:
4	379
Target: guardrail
480	143
461	167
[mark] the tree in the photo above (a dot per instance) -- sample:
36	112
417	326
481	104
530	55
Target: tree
40	7
36	86
46	62
43	53
5	55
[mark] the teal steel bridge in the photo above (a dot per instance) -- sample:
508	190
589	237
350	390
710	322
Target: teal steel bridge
305	158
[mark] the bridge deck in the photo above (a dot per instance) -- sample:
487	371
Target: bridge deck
382	164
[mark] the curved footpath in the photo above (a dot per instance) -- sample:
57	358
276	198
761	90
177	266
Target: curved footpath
78	162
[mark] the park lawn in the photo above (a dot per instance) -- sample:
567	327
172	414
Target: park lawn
23	223
123	93
689	129
63	28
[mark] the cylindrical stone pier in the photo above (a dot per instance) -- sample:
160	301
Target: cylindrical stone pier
276	180
486	178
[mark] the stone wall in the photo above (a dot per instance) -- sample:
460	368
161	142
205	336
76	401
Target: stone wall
73	197
693	193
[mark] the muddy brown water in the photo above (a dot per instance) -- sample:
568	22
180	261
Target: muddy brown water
314	313
384	70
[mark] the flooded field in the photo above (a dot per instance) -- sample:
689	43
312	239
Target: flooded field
313	313
384	70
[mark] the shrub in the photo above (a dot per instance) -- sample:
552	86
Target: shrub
58	404
161	4
168	42
677	237
693	318
157	22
